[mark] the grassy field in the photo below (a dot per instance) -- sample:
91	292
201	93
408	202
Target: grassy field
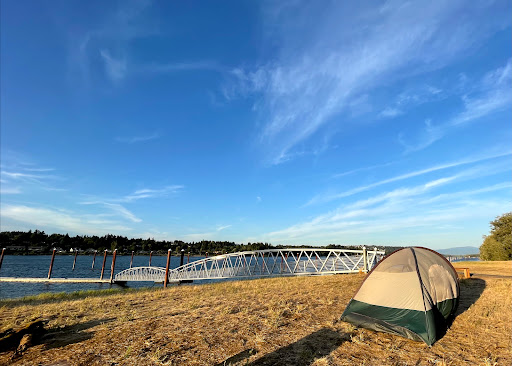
277	321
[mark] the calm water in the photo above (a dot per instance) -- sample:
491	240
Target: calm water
38	265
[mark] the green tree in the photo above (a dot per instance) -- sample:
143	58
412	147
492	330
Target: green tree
498	245
492	250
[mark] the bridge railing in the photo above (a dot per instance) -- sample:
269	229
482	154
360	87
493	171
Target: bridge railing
261	263
150	274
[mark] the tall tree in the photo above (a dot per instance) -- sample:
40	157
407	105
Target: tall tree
498	245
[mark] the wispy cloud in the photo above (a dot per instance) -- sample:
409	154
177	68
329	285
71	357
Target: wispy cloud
362	169
412	98
110	40
220	228
63	221
208	234
389	211
115	68
323	66
330	197
116	208
172	67
391	112
19	175
151	193
135	139
492	94
24	176
39	169
9	190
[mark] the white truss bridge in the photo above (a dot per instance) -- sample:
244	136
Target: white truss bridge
261	263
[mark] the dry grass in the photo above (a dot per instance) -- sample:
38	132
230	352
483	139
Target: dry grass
503	268
283	321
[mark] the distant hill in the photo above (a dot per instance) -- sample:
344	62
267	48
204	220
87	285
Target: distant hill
460	251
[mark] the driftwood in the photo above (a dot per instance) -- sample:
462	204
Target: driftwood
22	338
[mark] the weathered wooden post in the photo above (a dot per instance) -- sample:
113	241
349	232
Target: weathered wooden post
94	259
188	257
2	257
131	260
51	264
166	279
182	257
206	255
74	260
103	265
365	260
113	266
150	256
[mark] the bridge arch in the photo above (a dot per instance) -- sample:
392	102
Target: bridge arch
150	274
262	263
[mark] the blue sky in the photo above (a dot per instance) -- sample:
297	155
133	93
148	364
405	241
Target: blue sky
379	123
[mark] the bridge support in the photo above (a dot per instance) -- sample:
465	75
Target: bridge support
94	259
103	265
74	260
113	266
2	257
51	264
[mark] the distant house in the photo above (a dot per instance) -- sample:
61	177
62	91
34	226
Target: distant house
36	249
15	248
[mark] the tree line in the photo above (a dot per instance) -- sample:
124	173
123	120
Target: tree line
38	242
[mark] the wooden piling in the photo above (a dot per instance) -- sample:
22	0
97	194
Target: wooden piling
188	257
94	259
2	257
74	260
166	279
103	265
150	256
182	257
131	260
51	264
113	266
206	255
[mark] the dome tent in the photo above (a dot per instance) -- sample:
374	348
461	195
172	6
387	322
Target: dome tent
413	292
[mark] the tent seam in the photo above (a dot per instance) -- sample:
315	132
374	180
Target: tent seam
422	291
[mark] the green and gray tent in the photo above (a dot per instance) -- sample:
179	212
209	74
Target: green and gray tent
412	292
